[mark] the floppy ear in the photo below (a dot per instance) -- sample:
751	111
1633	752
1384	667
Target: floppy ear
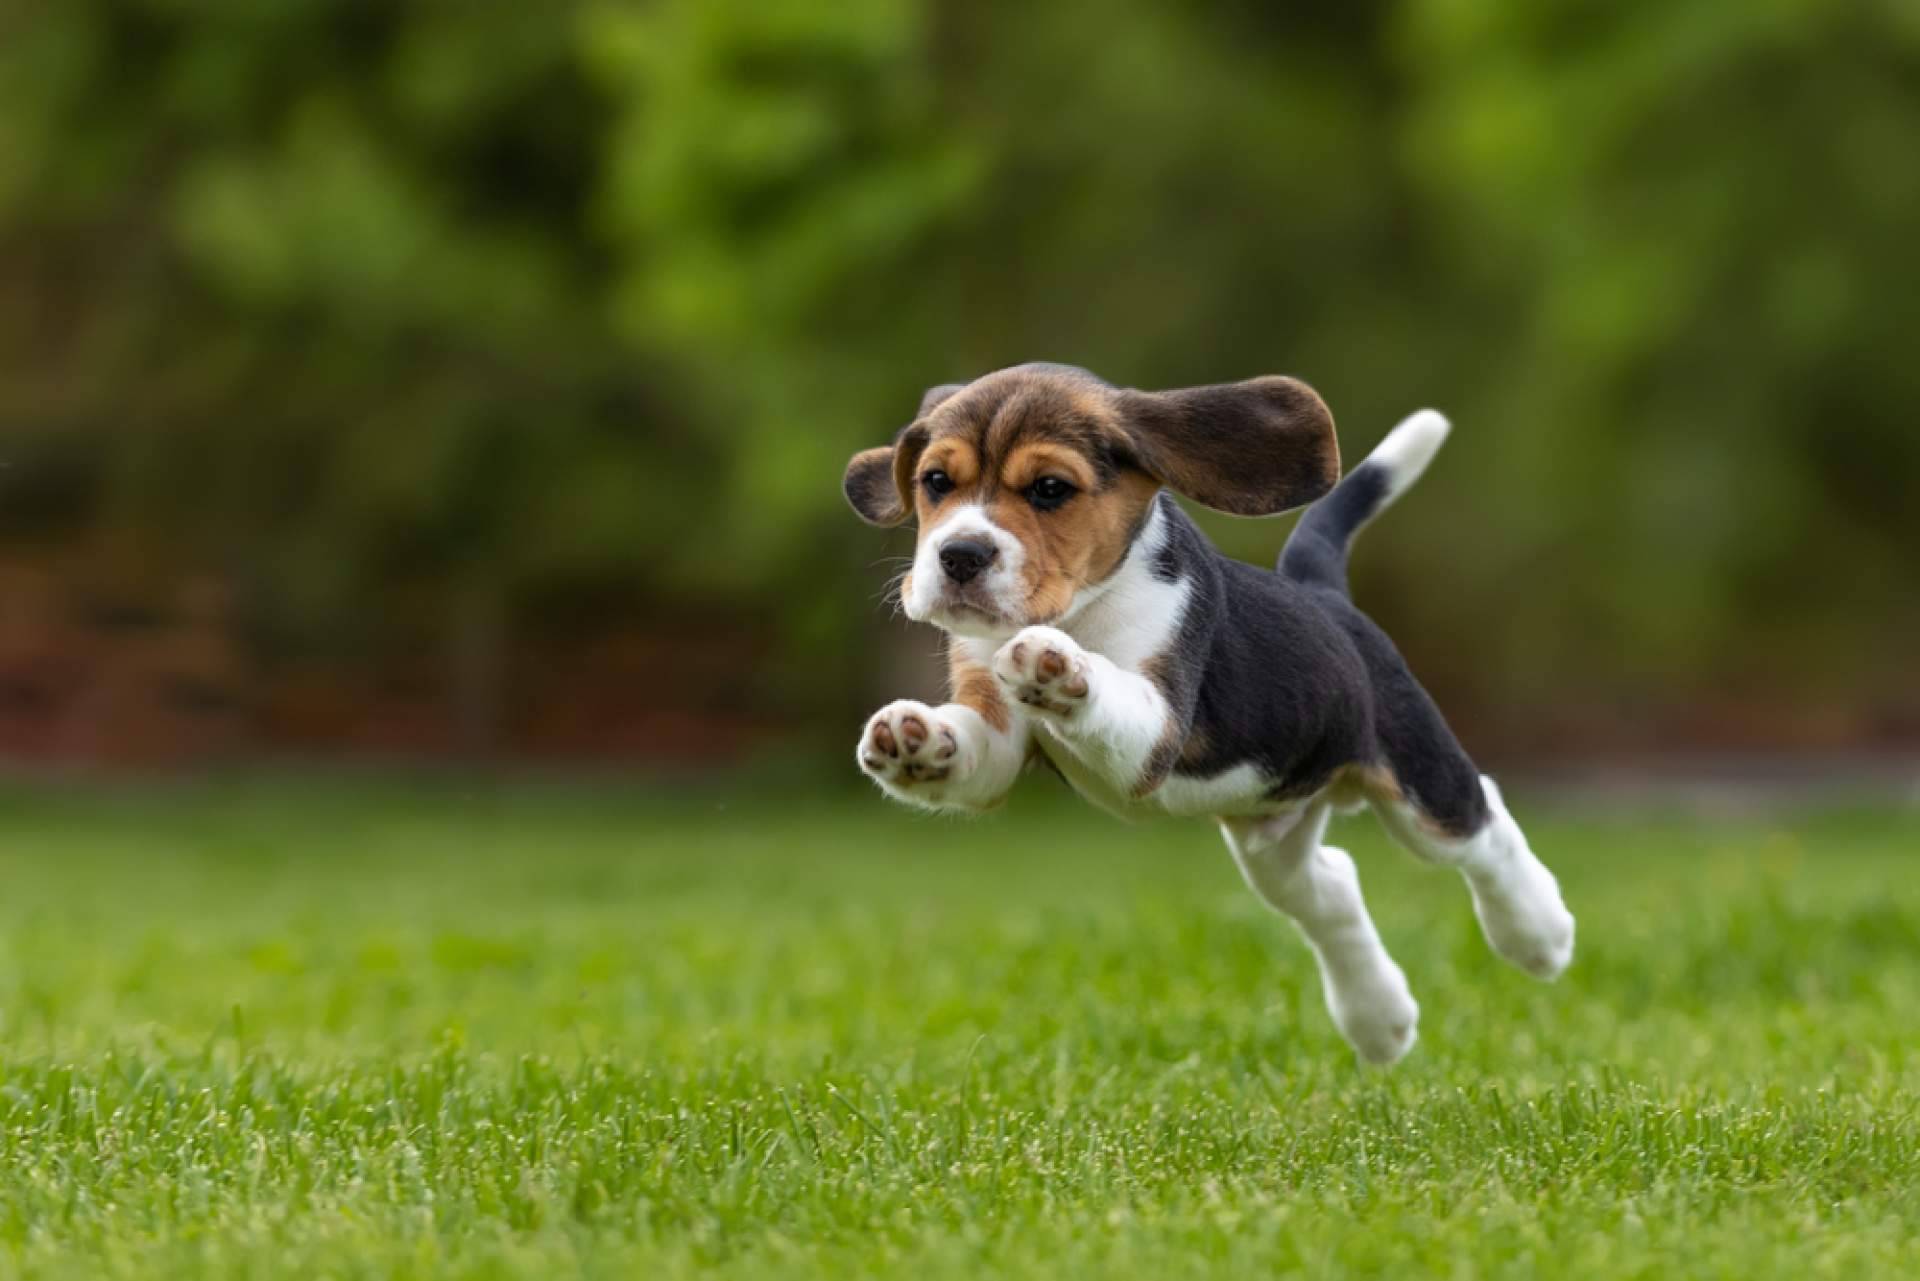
879	482
1250	448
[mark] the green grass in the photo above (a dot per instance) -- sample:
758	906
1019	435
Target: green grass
354	1031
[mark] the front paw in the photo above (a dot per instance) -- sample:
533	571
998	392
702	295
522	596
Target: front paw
910	748
1046	669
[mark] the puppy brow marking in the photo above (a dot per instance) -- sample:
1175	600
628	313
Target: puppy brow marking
956	457
1026	463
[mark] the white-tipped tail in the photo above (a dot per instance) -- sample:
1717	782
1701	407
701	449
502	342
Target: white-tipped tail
1408	448
1317	552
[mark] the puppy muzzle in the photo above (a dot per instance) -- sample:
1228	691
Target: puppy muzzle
966	577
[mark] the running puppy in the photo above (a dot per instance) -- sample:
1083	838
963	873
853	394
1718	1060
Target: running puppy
1091	622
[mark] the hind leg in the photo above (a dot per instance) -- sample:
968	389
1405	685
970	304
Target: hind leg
1316	885
1516	898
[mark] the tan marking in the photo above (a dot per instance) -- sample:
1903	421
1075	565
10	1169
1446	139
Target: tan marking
953	455
1171	748
1374	784
1028	463
1195	749
1377	785
974	686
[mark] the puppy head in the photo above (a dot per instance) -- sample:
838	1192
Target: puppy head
1030	484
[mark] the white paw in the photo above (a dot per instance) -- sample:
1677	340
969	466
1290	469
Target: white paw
1368	997
1379	1018
1044	668
1524	918
911	748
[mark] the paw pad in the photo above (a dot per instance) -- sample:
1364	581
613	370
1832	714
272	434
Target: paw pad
906	744
1044	669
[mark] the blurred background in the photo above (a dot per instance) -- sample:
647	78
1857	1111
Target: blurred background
425	382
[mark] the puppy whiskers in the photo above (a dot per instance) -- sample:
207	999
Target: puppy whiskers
889	593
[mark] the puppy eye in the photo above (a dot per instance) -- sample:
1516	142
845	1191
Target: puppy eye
1049	492
938	484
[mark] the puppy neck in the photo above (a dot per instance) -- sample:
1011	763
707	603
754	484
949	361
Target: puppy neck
1136	611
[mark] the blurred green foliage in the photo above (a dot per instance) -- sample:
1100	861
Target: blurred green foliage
526	302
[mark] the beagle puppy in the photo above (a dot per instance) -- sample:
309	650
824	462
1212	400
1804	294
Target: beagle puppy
1091	624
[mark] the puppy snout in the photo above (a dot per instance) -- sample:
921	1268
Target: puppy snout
964	558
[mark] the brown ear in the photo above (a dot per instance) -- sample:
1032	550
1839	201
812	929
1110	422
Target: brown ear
1250	448
879	482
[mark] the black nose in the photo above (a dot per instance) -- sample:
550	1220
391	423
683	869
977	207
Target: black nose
963	558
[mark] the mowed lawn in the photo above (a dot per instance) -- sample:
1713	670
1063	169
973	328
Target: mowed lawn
354	1030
